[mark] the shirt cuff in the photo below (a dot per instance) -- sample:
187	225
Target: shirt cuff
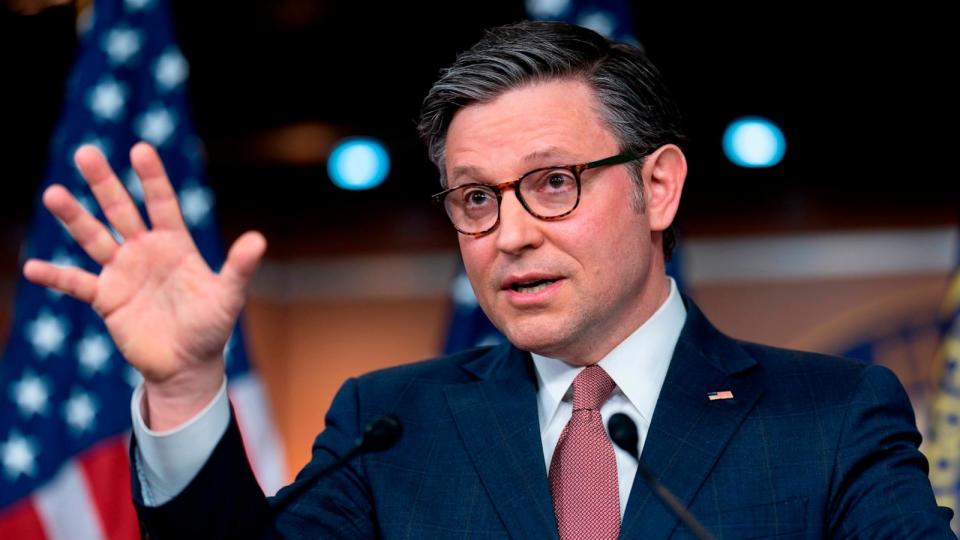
166	461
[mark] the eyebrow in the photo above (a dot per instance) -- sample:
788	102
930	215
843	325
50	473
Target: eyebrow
551	152
465	170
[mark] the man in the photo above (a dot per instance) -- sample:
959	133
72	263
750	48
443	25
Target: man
559	155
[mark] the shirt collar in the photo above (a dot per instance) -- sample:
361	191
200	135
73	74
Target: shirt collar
638	365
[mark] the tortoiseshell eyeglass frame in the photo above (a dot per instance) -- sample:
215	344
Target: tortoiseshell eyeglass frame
498	189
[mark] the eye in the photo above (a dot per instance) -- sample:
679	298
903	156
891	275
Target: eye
476	197
554	181
559	180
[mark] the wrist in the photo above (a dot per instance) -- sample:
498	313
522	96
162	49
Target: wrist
169	404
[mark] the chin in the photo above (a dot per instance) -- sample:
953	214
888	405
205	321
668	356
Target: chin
544	332
541	339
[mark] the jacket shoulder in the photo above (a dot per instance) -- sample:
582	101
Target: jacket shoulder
791	360
803	377
441	369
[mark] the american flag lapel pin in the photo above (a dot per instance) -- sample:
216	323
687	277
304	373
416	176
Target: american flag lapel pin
723	394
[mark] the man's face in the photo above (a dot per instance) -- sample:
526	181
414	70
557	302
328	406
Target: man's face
574	288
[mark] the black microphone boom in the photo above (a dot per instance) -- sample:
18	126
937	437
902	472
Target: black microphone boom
380	434
623	432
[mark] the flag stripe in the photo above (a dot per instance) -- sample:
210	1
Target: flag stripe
66	508
107	471
259	436
22	522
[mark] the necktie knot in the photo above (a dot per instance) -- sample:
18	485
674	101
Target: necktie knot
591	388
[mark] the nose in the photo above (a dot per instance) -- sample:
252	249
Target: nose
518	230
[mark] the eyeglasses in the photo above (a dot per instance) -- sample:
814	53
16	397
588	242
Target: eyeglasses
547	193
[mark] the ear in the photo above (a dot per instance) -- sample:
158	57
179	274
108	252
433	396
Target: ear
664	172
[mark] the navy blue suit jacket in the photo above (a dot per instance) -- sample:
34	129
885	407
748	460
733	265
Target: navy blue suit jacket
810	446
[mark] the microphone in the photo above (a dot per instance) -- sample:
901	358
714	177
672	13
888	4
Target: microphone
380	434
623	432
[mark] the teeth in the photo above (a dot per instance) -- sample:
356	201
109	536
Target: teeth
534	288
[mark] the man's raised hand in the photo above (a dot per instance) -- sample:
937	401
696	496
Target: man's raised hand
168	313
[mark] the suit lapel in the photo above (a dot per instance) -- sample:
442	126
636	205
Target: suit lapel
688	431
496	417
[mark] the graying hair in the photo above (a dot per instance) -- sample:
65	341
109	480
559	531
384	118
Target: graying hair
632	98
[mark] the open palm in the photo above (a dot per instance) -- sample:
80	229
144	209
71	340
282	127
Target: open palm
168	313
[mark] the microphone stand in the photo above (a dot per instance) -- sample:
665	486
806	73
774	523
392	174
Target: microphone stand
380	434
623	432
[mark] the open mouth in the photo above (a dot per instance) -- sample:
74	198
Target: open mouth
534	286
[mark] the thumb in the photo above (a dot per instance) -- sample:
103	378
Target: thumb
242	261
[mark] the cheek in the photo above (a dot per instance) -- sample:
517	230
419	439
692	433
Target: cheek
470	247
606	243
587	238
476	259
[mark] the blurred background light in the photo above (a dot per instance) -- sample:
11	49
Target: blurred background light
754	142
358	163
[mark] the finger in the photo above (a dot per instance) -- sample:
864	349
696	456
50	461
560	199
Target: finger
78	283
158	193
92	235
242	261
113	198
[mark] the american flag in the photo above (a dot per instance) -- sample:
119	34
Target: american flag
611	18
723	394
64	389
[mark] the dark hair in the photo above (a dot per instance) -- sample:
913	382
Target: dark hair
634	101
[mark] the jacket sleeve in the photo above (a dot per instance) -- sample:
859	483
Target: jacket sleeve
225	501
880	487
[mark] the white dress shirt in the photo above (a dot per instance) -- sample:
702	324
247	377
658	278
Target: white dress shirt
167	461
638	366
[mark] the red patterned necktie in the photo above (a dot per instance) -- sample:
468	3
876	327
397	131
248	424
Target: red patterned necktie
583	472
